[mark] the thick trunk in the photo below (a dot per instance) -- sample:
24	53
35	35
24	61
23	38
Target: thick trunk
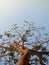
24	60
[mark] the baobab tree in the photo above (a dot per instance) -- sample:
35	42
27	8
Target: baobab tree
25	45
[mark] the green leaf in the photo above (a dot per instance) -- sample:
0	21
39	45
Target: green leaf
44	59
43	48
25	21
11	47
15	61
11	55
37	47
4	51
1	36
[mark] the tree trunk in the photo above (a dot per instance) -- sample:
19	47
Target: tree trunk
24	60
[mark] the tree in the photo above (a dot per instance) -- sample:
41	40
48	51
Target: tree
26	45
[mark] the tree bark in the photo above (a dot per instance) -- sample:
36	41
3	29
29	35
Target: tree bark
24	60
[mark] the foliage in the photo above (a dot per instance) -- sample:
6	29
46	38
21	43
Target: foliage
28	37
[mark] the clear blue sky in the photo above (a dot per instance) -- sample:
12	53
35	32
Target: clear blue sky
16	11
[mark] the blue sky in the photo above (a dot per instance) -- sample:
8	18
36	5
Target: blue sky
16	11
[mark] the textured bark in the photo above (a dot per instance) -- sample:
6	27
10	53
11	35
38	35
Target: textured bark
24	60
